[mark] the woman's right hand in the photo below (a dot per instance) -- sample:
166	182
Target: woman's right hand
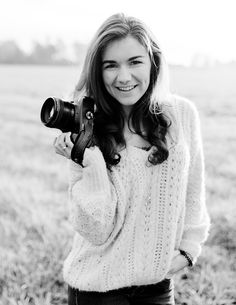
63	145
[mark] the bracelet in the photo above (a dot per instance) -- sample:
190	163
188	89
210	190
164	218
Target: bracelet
187	256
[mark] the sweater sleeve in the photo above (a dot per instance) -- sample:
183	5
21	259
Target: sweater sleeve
197	222
92	198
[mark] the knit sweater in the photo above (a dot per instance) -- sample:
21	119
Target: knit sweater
129	221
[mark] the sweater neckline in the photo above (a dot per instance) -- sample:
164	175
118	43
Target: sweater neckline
132	147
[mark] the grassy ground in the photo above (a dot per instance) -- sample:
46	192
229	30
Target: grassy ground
34	231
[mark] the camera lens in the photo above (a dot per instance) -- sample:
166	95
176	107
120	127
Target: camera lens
56	113
48	112
52	112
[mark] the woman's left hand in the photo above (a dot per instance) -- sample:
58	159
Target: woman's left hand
178	263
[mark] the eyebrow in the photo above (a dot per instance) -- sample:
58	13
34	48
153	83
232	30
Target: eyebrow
113	61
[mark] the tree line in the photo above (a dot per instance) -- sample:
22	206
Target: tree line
41	54
59	53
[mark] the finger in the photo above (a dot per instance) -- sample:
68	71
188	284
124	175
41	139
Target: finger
68	141
61	140
65	141
60	143
65	151
54	141
61	147
57	140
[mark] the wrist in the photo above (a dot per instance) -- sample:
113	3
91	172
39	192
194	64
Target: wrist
188	257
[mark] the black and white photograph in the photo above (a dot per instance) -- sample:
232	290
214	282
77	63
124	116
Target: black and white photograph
117	158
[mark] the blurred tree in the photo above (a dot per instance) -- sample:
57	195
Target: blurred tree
48	53
202	60
42	54
10	53
79	52
61	56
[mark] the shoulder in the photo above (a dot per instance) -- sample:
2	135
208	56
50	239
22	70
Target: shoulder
183	115
179	102
180	109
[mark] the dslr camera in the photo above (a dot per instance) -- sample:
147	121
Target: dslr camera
70	117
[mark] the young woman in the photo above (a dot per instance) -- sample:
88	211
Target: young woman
137	204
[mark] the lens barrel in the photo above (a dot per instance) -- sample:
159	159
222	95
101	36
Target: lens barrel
56	113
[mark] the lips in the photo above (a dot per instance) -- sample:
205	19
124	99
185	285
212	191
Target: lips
126	88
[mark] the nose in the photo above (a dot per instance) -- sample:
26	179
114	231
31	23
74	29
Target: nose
124	75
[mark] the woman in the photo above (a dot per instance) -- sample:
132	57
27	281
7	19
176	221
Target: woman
137	204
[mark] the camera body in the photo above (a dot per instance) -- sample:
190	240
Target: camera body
74	118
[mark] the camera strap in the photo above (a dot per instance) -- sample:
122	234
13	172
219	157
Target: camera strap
85	135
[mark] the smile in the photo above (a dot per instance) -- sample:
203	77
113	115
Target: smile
127	88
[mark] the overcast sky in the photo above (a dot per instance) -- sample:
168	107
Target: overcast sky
183	27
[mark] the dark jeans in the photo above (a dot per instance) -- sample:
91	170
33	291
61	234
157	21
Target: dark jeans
161	293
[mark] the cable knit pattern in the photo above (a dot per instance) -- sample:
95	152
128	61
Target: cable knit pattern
129	221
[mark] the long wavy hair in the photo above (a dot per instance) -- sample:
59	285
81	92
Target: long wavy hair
146	113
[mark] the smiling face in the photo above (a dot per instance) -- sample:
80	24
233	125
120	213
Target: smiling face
126	68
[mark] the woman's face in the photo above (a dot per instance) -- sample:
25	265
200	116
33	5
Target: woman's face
126	68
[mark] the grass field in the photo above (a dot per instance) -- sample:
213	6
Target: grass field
35	235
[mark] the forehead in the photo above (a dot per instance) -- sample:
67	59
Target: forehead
124	48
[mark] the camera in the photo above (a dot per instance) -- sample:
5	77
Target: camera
70	117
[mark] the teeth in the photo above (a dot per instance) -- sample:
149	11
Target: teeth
126	88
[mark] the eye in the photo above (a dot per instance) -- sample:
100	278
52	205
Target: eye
135	62
110	66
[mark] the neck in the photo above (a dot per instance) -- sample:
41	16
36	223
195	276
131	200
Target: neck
127	111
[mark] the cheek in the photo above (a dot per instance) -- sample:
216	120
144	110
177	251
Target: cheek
145	76
148	74
107	79
146	80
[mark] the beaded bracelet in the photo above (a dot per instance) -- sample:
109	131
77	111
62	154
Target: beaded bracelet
187	256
